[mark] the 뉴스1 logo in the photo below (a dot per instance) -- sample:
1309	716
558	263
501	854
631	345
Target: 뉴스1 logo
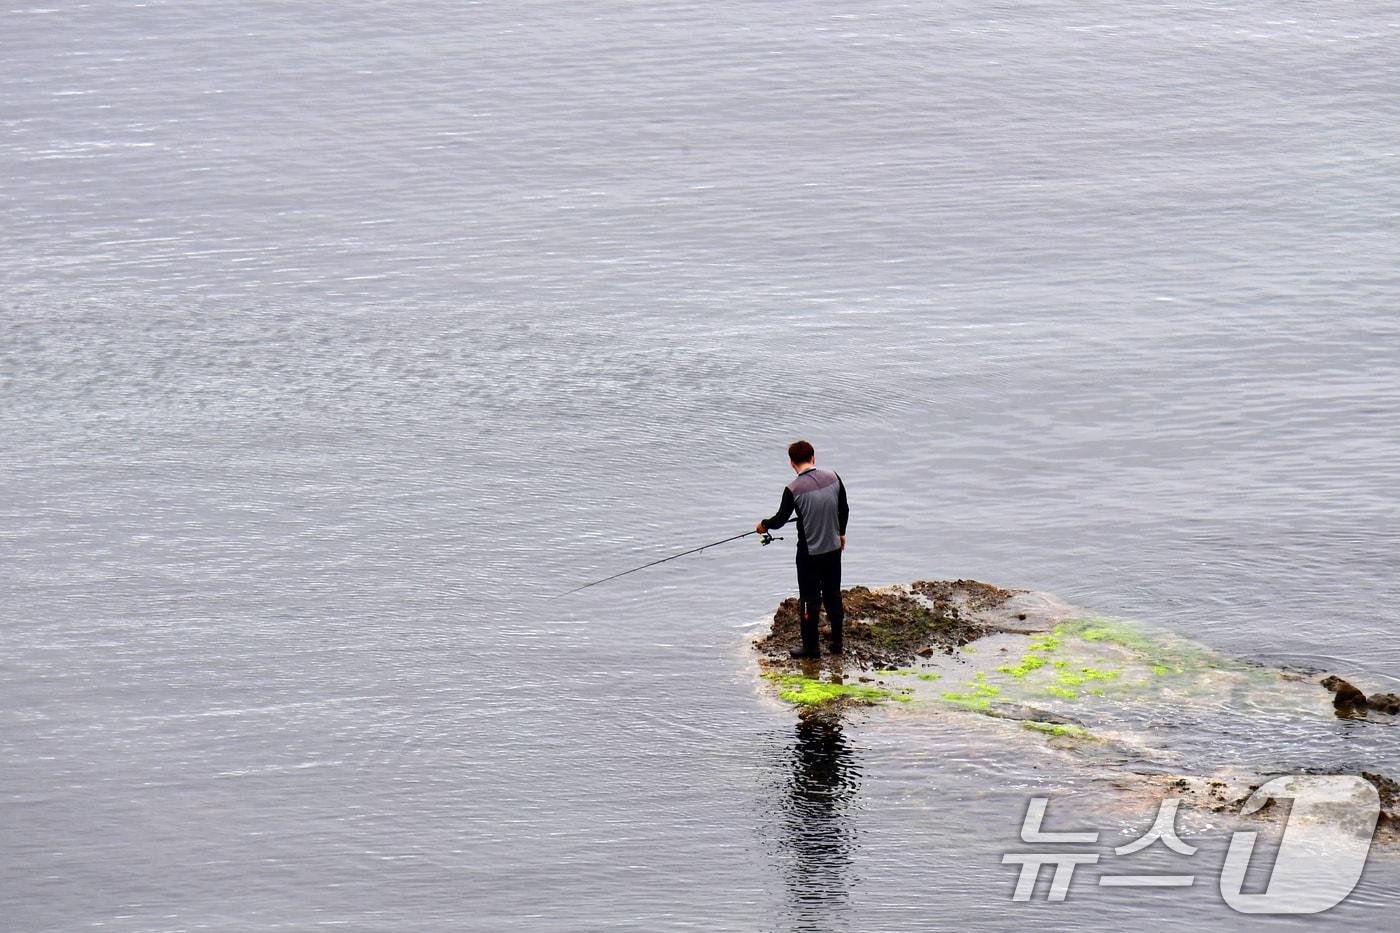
1320	858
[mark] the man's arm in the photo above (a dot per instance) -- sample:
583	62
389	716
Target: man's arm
843	511
784	513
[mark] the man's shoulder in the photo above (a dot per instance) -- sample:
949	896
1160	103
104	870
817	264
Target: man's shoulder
814	479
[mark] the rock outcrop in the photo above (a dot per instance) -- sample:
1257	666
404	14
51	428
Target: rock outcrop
890	626
1349	698
1148	707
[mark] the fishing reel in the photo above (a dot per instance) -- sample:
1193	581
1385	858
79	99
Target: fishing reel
768	539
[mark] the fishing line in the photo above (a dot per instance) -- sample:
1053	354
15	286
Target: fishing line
766	540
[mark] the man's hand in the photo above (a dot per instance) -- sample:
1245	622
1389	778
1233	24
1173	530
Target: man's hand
843	542
760	528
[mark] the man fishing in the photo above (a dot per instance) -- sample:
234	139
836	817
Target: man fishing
819	499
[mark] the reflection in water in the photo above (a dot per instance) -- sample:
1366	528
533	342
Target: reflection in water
817	835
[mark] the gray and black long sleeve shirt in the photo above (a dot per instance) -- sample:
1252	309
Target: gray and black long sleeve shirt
819	499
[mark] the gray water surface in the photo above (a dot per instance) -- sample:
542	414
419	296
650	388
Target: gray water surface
336	338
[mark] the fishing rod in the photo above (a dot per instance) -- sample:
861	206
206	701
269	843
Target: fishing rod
766	539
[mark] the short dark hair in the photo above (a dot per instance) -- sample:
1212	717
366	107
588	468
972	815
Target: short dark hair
801	452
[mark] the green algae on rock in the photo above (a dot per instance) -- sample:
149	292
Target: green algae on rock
1074	678
1023	667
1110	693
976	695
1161	653
1117	675
813	691
1059	729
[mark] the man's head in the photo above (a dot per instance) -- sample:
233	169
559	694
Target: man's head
801	455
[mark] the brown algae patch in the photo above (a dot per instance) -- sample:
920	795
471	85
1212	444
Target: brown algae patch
888	628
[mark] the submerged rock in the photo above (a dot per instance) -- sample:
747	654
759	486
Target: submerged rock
1142	705
1023	713
1227	792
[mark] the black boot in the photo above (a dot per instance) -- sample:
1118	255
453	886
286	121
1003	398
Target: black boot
807	609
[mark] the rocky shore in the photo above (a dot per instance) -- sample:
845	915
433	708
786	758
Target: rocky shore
1097	688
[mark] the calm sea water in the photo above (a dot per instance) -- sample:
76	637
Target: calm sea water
336	338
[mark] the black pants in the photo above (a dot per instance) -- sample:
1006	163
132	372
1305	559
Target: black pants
819	584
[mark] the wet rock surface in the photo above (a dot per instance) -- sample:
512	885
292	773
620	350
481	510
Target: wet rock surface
1389	792
1349	698
1227	793
891	626
1149	709
1023	713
